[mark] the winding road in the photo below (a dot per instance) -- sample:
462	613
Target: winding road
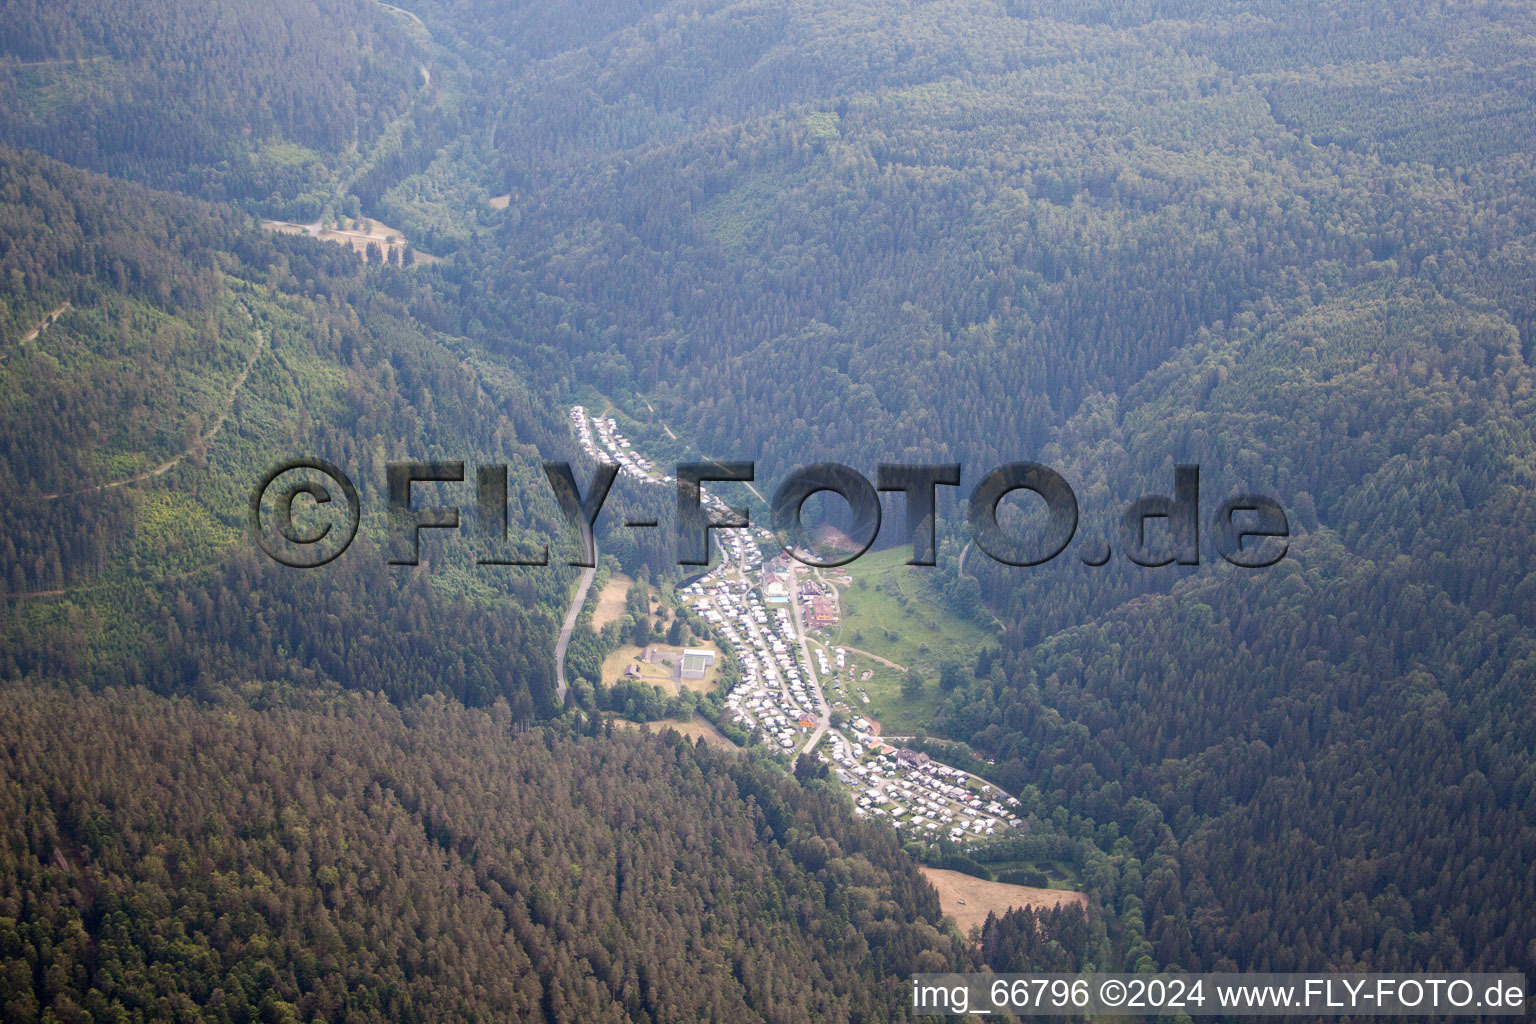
426	72
566	630
401	10
47	321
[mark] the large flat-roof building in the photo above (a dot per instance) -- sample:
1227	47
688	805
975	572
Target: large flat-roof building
696	661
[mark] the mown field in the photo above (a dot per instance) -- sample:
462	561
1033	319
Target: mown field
982	897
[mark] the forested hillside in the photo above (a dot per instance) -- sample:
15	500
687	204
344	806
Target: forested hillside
1290	243
1293	243
261	102
937	229
192	352
166	861
1382	671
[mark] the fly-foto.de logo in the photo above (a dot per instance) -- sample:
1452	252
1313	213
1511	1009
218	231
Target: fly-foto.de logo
305	512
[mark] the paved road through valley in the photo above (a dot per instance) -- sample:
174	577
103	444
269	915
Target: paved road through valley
567	629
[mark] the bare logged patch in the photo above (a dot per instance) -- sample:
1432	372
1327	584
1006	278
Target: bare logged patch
981	897
610	603
501	202
387	239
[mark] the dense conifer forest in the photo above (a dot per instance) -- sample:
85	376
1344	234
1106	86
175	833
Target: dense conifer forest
1293	243
261	103
350	860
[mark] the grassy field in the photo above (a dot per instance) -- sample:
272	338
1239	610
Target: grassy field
610	603
615	663
981	896
892	610
897	715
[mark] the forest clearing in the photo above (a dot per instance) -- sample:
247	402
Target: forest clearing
610	602
391	243
981	897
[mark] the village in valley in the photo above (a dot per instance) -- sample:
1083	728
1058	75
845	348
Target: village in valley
795	690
